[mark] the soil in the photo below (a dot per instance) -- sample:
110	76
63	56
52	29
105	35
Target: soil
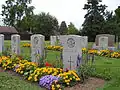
90	84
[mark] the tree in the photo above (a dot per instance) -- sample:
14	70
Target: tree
26	24
94	20
45	24
110	25
63	28
72	29
14	11
117	13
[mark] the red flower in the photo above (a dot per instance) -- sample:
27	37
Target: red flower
47	64
66	70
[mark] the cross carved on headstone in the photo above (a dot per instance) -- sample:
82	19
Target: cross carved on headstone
70	61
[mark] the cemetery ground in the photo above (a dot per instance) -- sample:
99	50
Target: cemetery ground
107	69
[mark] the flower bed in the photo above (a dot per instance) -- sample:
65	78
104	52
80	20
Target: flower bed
48	77
56	48
106	53
26	45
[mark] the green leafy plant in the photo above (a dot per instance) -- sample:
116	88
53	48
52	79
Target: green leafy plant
41	64
6	52
84	71
26	57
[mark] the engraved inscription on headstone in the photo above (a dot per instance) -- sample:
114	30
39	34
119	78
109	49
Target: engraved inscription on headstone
15	44
103	43
35	41
69	61
37	47
71	42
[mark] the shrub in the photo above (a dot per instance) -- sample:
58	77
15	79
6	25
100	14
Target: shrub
85	71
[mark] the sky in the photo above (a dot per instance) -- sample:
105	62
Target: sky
66	10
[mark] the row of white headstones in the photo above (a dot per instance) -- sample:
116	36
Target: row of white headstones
72	48
103	42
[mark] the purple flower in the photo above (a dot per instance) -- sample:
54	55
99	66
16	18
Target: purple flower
46	81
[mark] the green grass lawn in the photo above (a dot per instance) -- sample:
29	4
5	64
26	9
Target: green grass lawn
9	82
105	68
109	67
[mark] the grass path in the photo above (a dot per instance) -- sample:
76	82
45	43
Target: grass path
10	82
108	68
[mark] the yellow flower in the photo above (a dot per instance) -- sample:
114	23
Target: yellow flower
74	77
66	76
68	83
5	68
36	76
58	86
70	78
29	78
77	79
35	79
52	86
21	72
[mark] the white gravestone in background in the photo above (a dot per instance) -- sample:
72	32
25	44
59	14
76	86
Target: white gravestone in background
37	47
1	43
84	42
103	43
119	45
72	52
61	40
15	44
53	40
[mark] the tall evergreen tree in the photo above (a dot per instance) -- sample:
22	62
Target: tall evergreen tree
94	19
117	13
110	25
63	28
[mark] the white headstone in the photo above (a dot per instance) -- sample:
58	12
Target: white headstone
53	40
1	43
84	41
15	44
103	43
61	39
72	51
37	47
119	45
